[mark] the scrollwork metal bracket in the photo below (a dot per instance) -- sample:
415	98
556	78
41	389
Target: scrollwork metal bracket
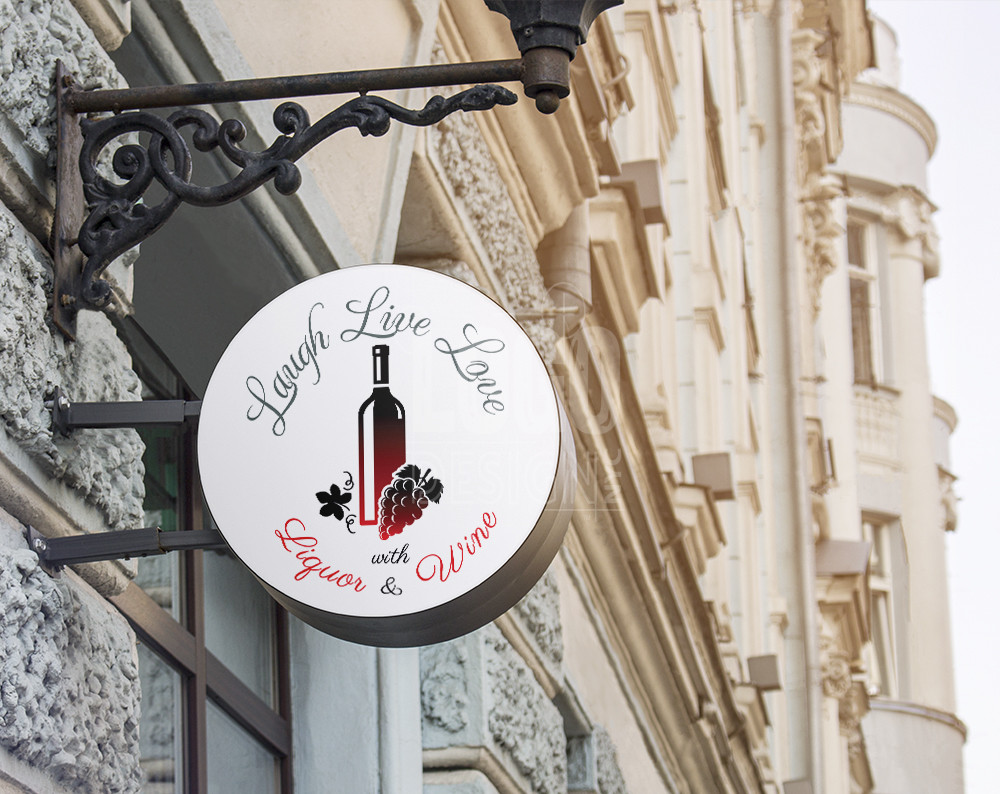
98	218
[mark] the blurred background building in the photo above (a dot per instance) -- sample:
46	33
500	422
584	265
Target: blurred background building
718	244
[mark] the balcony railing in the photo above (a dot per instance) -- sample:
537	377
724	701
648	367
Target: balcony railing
877	425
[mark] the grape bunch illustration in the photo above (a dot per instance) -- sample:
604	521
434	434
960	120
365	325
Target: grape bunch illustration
405	499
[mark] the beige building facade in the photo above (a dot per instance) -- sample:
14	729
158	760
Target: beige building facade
904	483
718	245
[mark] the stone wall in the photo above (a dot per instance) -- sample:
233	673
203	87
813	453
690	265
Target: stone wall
69	689
103	467
481	700
69	682
489	725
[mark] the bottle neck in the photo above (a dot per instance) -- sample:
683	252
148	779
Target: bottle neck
380	365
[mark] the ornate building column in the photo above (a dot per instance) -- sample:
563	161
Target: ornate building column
912	258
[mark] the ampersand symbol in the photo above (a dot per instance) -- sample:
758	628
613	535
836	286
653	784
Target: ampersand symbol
390	588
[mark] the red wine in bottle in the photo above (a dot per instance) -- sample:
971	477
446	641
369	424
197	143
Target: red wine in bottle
381	437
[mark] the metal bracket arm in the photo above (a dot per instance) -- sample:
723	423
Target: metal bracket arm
115	100
68	416
54	553
98	218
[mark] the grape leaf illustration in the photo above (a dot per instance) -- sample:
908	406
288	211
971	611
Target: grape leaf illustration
333	502
432	487
411	471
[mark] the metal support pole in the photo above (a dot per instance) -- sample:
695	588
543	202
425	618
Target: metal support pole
67	416
54	553
356	82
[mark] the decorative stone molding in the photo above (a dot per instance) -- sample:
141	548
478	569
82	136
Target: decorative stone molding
836	669
909	214
843	597
818	188
705	534
820	232
522	720
853	707
609	773
877	425
922	711
111	20
949	500
69	689
483	708
810	118
468	166
444	683
539	612
457	781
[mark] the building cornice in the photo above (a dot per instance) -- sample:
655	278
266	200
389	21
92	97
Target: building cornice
891	101
945	411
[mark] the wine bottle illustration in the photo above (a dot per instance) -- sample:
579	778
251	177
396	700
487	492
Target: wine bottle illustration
381	437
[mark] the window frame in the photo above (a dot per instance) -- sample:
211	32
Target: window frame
866	314
181	643
883	648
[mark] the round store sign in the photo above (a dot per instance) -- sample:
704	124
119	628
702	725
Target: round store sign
383	448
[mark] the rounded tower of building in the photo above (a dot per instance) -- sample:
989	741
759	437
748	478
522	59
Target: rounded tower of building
900	430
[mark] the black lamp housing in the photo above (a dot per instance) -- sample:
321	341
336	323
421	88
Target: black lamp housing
547	34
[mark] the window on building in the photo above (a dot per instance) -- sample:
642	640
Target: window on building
213	656
864	304
883	657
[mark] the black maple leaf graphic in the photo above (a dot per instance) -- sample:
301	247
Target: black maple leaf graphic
333	502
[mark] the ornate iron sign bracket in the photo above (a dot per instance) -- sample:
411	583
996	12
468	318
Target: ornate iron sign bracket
98	218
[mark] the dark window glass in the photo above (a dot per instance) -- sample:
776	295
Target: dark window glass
213	653
861	331
856	246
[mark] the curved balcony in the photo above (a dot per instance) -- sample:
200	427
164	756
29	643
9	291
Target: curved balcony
914	748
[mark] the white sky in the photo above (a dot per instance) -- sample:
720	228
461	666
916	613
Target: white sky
950	62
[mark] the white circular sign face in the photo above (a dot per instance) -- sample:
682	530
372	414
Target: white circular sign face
383	448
